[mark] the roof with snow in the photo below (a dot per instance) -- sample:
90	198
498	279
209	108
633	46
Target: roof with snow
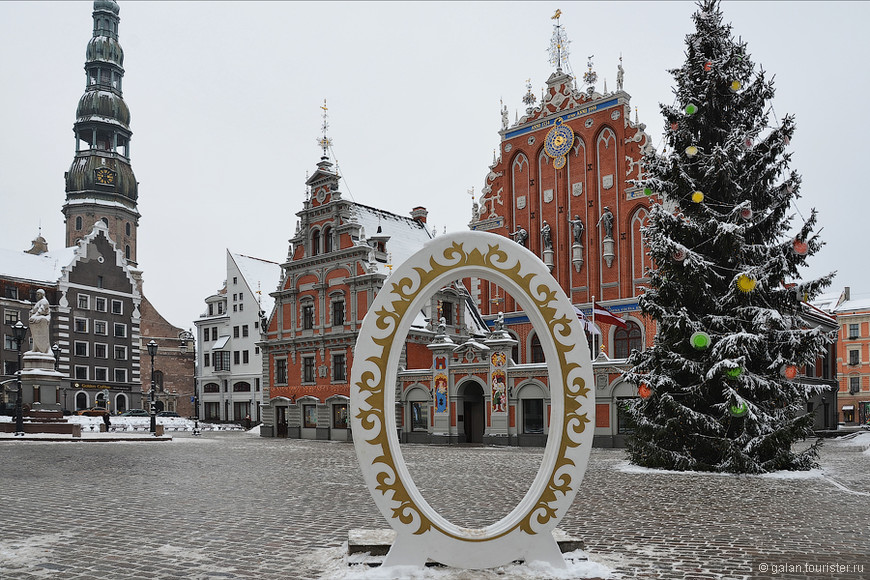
853	306
827	301
261	276
406	234
47	267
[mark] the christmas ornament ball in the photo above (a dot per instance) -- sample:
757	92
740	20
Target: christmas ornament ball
739	410
691	150
691	109
698	197
745	283
734	373
700	340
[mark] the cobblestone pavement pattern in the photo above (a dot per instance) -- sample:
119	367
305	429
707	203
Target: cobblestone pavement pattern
237	506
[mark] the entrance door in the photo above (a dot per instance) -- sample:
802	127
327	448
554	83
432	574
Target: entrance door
472	409
281	421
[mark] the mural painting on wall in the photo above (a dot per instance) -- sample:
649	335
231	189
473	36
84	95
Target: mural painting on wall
440	363
441	393
498	382
499	391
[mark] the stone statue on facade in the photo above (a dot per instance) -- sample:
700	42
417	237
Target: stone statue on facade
40	320
606	221
520	236
577	228
620	75
504	117
546	238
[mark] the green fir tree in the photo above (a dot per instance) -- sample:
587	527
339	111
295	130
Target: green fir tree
725	289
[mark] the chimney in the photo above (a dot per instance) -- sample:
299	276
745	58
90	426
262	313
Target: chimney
419	213
846	293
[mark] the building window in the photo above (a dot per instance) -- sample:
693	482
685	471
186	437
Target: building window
101	374
447	313
100	304
127	228
127	251
206	333
537	350
533	416
81	372
10	317
235	279
245	357
853	357
84	302
853	332
10	367
315	243
624	422
308	316
78	222
627	339
419	416
101	350
120	375
281	371
117	307
81	348
120	352
120	330
235	307
339	416
327	239
244	330
101	328
211	388
211	309
242	387
220	307
308	369
235	332
338	313
99	281
80	325
309	416
8	343
236	357
338	367
221	360
206	360
854	385
241	296
849	414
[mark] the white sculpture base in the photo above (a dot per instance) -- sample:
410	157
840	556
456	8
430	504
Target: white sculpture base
548	258
608	254
577	255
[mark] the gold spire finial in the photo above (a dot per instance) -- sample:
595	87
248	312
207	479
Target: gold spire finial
325	142
556	15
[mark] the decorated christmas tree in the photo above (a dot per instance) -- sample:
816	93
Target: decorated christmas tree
720	388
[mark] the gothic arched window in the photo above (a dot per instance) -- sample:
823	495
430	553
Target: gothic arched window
627	339
327	240
315	242
537	352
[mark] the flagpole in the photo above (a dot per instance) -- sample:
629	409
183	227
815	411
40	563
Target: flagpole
594	353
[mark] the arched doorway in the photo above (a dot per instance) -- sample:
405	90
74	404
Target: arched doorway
473	412
121	403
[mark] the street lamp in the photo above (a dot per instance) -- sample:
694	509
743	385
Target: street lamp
152	350
18	332
186	336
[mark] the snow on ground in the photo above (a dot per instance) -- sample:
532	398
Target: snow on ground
133	424
855	440
333	564
626	467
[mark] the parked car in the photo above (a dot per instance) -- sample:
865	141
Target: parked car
135	413
93	412
168	414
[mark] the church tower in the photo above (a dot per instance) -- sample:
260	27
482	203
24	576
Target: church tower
100	184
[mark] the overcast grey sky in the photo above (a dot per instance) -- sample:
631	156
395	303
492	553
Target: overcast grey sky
225	110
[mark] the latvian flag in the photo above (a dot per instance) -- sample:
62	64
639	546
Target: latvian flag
601	314
587	324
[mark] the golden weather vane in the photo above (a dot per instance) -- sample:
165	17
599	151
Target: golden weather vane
325	142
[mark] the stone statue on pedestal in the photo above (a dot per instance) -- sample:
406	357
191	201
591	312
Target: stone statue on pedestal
40	320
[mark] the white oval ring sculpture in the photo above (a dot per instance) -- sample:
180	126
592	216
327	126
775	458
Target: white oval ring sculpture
421	533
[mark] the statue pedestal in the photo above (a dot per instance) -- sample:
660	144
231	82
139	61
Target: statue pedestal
39	381
608	254
548	258
577	255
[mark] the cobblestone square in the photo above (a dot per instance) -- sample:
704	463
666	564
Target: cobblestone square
233	505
